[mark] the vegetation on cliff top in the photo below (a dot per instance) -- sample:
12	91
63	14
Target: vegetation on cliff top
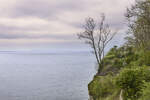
125	74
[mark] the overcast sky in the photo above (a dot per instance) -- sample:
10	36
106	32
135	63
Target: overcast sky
44	23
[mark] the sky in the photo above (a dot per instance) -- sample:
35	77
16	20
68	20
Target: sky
47	24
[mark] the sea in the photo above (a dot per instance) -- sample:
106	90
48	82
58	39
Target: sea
46	75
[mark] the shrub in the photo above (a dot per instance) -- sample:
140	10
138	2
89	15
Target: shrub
146	92
131	81
145	58
118	63
101	86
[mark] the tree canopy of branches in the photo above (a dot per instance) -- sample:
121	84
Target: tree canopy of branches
138	17
97	34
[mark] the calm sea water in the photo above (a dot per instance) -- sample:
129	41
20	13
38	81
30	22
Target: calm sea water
45	76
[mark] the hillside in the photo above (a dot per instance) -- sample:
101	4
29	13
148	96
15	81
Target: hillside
126	75
125	71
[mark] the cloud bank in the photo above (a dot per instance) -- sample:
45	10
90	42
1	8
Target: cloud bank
48	21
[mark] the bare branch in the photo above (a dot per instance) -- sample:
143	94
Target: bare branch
97	36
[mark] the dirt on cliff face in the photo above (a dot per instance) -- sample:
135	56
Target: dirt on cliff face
109	70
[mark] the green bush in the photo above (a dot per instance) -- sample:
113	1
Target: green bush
118	63
146	92
101	86
131	81
133	78
145	58
110	56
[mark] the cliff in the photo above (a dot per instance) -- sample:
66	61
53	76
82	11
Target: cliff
124	76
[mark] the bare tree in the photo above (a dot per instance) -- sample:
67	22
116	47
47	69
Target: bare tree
97	35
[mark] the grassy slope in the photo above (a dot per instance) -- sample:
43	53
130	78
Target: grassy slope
103	86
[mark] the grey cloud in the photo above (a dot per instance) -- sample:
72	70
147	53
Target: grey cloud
25	36
8	34
67	14
51	10
12	32
44	8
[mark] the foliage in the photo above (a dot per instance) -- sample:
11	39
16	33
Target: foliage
131	81
118	58
132	61
146	92
134	66
145	58
142	57
102	87
139	23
